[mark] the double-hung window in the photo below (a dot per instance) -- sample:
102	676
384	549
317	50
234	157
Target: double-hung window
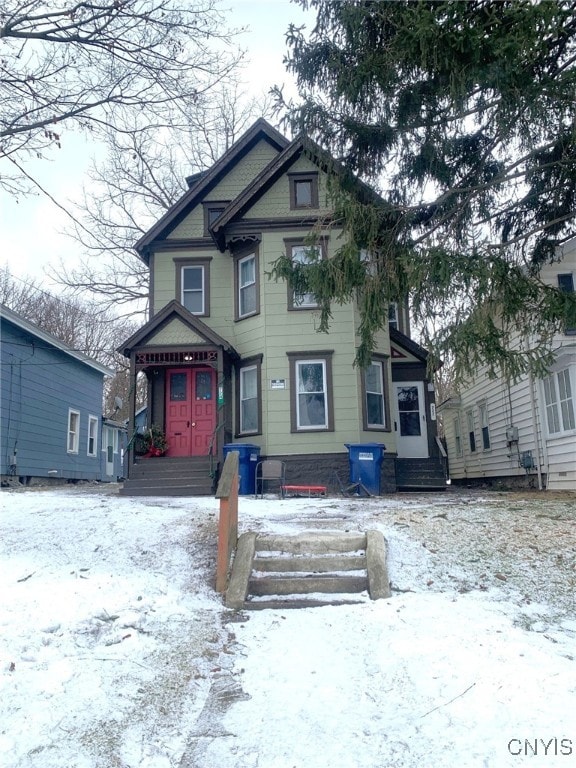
193	285
484	426
457	435
249	400
193	289
375	395
559	402
92	435
471	432
566	285
73	431
311	405
247	302
300	253
311	390
393	315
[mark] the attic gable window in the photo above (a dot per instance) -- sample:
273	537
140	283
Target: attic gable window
211	212
303	190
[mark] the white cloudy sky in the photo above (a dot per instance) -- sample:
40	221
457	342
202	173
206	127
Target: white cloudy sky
32	228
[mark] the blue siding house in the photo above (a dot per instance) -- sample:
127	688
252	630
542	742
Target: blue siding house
51	421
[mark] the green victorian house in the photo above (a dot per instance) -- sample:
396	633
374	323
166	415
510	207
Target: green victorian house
233	357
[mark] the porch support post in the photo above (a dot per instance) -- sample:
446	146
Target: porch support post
132	412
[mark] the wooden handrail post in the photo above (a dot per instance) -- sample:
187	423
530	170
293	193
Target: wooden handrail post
227	492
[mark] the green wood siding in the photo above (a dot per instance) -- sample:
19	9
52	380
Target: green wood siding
230	187
276	201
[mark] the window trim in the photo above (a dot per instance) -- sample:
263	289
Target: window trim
458	442
293	179
249	362
484	421
300	242
203	262
214	205
238	259
471	431
568	330
92	420
382	361
75	434
321	356
551	383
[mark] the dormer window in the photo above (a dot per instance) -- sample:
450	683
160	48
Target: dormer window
303	190
212	211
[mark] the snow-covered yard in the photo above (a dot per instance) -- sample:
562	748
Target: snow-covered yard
116	653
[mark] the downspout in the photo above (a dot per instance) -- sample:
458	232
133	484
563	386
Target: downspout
536	432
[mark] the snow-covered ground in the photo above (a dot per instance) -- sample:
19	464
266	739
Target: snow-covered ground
116	653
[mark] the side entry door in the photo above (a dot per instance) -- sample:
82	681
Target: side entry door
410	420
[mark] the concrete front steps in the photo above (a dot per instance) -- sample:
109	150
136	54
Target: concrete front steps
167	476
307	570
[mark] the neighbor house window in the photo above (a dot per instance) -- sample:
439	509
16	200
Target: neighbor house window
247	299
393	315
301	253
457	435
92	435
73	431
566	285
375	405
484	426
471	433
559	402
303	190
311	391
212	211
193	285
249	397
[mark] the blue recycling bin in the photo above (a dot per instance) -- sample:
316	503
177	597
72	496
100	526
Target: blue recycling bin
248	458
365	464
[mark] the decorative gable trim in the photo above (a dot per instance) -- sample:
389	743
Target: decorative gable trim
175	310
260	130
273	171
406	345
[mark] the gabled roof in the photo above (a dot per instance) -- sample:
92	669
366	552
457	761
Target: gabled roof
272	172
399	338
47	338
261	130
168	313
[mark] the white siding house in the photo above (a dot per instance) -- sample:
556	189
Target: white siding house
526	431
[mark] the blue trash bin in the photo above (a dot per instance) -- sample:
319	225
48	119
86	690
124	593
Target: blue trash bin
248	458
365	464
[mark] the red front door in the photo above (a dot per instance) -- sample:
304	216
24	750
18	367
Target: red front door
190	410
